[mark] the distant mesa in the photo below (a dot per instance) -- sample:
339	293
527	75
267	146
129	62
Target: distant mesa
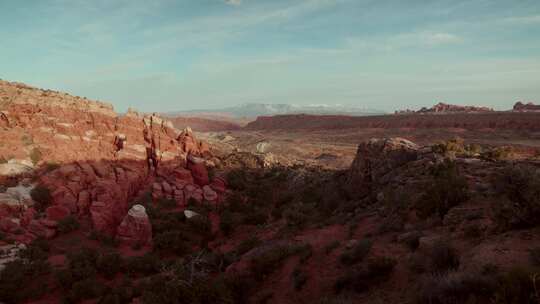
528	107
444	108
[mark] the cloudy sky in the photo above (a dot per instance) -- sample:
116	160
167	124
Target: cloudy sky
164	55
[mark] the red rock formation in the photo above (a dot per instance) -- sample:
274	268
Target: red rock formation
198	170
529	107
135	228
105	160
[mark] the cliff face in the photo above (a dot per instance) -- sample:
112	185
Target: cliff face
477	121
38	125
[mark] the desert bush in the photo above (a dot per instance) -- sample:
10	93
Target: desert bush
498	153
19	279
109	264
237	179
335	300
534	256
520	207
82	263
456	287
381	266
226	223
35	156
299	278
517	286
265	263
446	189
295	218
172	241
331	246
444	257
86	289
473	231
27	140
68	224
166	203
179	288
18	283
247	244
361	279
200	224
49	167
357	253
42	196
256	216
450	148
145	265
3	160
412	240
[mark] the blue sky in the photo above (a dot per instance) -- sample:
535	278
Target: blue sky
165	55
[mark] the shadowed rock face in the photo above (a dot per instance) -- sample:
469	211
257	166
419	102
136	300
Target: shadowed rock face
377	158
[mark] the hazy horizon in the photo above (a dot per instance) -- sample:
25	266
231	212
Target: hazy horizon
161	56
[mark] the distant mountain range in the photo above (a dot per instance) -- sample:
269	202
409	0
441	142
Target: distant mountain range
252	110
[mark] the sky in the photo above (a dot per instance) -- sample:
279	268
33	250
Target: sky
168	55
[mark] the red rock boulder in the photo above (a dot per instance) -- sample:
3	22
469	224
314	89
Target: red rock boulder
57	213
135	228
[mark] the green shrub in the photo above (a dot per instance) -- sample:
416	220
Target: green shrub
517	286
520	186
450	148
49	167
3	160
412	240
444	257
534	255
86	289
35	156
166	203
446	189
299	278
381	266
247	244
145	265
173	242
42	196
473	231
226	223
266	262
109	264
255	217
331	246
498	153
27	140
237	179
361	279
82	263
357	253
456	287
68	224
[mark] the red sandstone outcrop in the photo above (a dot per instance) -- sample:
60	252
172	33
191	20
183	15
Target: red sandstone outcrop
528	107
203	124
444	108
103	160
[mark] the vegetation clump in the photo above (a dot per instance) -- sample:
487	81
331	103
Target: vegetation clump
520	206
447	188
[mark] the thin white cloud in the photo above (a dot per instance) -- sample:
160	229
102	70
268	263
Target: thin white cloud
233	2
